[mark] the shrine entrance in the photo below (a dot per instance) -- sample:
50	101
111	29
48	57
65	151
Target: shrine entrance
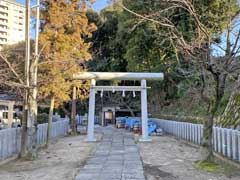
109	76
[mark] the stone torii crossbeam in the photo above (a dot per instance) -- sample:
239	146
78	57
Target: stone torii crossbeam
95	76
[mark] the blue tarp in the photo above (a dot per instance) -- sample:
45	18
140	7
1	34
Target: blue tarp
152	128
121	119
131	121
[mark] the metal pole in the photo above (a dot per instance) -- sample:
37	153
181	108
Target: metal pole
91	112
27	41
37	26
144	113
27	60
35	67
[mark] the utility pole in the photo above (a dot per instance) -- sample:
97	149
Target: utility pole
34	105
25	120
34	73
37	26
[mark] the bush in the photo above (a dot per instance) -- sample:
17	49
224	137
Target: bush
42	118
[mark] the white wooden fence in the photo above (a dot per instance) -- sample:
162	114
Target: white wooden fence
225	141
80	120
10	139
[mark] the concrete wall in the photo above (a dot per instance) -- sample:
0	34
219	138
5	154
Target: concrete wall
10	139
225	141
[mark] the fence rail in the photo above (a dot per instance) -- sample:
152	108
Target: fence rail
10	139
225	141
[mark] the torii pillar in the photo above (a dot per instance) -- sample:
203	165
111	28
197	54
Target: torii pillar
91	113
144	112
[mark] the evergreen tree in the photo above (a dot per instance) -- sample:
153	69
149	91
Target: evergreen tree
64	29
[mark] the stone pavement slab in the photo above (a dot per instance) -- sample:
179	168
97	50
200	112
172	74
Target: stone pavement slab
115	158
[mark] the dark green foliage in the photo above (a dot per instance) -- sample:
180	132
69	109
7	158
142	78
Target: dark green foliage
106	49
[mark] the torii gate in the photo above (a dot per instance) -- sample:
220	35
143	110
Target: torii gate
94	76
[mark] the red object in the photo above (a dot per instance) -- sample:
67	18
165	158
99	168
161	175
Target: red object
140	131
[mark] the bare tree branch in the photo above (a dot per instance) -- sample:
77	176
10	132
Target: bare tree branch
12	69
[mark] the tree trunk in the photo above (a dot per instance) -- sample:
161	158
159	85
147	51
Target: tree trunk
50	117
23	152
73	112
32	125
207	137
220	81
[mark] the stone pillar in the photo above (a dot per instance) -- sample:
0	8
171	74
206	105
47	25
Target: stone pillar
10	114
144	112
91	113
73	112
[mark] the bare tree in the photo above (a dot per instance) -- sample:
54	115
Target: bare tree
198	49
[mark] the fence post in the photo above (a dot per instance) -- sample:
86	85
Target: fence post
186	131
199	134
196	133
190	132
215	138
234	145
181	130
1	145
18	139
219	139
229	143
238	139
224	142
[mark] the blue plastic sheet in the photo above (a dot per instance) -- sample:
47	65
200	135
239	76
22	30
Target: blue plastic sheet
131	121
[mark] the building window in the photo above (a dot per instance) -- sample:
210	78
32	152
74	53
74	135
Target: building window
5	115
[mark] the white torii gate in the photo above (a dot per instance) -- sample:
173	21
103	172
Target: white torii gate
94	76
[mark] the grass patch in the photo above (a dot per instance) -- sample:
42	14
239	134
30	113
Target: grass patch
209	167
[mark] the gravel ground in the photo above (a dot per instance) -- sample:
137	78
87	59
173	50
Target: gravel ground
169	159
61	161
165	158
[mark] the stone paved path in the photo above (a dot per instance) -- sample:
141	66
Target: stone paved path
115	158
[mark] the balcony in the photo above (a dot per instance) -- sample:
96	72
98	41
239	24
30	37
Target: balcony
3	41
3	6
3	35
3	29
2	22
3	10
3	16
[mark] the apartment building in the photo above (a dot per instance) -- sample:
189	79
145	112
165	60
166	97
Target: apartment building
12	22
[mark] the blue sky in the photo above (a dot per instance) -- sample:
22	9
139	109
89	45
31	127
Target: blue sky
98	5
